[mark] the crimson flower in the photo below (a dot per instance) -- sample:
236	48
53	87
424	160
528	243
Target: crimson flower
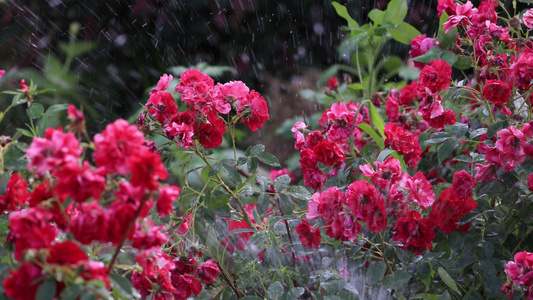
309	236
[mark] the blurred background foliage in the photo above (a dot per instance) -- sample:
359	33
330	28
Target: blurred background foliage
104	56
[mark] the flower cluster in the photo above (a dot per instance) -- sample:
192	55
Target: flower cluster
206	103
64	210
520	272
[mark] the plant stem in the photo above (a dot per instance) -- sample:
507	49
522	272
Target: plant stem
126	233
234	288
288	233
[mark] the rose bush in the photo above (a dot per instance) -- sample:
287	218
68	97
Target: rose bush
417	190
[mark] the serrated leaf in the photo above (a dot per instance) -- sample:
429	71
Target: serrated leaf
463	62
281	183
218	202
286	204
232	173
376	271
446	148
448	280
263	203
269	159
47	290
300	193
373	134
275	291
254	150
294	293
397	280
459	129
404	33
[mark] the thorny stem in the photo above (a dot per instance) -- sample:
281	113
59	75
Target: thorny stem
389	268
126	233
234	288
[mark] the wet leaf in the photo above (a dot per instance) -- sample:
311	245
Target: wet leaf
269	159
448	280
376	271
275	291
47	290
404	33
281	183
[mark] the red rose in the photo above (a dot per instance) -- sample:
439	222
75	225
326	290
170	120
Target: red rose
415	232
448	210
253	110
66	253
497	92
16	193
23	283
436	76
309	236
329	153
463	184
208	271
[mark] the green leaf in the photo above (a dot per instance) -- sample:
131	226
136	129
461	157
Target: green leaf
36	110
71	292
397	280
396	12
376	15
300	193
384	154
47	290
373	134
269	159
75	49
404	33
232	173
251	298
286	204
446	40
281	183
446	149
376	271
459	129
477	132
218	202
123	286
437	53
215	168
55	109
263	203
251	162
254	150
294	293
463	62
496	127
377	120
448	280
356	86
343	12
275	290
